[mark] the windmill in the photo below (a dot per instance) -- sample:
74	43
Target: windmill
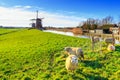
38	23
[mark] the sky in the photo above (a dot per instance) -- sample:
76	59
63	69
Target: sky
56	13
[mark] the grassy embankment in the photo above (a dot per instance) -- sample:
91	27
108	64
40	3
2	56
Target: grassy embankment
35	55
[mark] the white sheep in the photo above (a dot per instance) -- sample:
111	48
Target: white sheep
111	47
75	51
71	62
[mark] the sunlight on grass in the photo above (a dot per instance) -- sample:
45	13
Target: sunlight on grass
36	55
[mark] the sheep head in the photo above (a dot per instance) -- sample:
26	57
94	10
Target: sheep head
74	59
68	49
111	47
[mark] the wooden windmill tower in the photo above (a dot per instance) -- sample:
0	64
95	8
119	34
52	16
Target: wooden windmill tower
38	22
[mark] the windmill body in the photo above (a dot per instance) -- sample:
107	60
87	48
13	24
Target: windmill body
38	22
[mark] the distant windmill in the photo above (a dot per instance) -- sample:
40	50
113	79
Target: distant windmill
38	23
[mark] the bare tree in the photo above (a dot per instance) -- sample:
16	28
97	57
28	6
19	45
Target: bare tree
91	23
107	20
119	21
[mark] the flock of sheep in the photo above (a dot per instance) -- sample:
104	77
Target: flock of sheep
72	60
75	52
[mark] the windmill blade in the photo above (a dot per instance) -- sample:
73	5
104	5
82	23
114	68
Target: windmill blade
42	18
32	19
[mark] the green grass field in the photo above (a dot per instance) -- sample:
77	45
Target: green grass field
36	55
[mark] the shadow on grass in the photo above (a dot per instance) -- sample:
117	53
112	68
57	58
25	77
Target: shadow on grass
79	75
117	48
93	64
9	32
94	77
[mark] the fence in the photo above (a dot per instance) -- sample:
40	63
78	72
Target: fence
103	36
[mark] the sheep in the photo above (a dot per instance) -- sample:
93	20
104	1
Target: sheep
71	62
111	47
110	40
95	39
75	51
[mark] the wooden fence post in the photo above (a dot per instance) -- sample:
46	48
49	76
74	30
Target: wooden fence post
92	40
113	38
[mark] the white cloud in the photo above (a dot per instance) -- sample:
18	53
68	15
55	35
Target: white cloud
20	16
17	6
22	7
15	17
27	7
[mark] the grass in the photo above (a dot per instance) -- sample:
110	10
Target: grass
4	31
36	55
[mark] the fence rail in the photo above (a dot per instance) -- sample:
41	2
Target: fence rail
117	37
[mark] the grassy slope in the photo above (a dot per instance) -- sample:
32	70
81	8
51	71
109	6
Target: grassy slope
36	55
4	31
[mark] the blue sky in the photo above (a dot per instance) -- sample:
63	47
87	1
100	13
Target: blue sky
61	12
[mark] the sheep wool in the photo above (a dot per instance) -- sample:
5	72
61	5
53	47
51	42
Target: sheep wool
75	51
111	47
71	62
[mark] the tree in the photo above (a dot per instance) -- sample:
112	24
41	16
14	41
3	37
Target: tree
107	20
92	23
119	21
